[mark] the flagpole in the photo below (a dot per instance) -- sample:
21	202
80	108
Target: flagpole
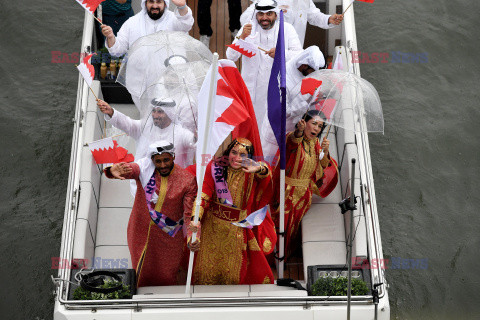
281	241
210	108
257	46
348	8
99	21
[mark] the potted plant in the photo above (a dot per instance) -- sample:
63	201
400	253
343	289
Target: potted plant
338	287
123	293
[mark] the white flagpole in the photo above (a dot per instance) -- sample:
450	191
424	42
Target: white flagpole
210	108
282	225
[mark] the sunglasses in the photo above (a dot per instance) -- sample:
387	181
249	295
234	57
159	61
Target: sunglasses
166	148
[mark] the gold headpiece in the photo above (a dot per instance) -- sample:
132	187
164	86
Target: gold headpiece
244	143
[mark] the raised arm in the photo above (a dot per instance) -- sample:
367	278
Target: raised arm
117	46
122	171
120	120
184	17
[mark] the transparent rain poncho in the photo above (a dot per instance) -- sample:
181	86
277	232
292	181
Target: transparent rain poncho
181	83
149	57
349	101
170	113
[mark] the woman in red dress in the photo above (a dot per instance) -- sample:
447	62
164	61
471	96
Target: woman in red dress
306	159
233	251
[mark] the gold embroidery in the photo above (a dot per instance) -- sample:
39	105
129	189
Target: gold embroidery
161	193
267	280
253	245
267	245
297	182
219	258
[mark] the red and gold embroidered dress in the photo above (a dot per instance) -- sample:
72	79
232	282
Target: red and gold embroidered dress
303	170
163	256
230	254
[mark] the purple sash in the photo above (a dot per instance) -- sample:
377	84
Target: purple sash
225	198
221	188
167	225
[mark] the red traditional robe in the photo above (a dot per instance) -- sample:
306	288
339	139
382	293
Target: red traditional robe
163	255
230	254
303	171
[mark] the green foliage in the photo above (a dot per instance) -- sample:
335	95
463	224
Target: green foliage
338	287
124	293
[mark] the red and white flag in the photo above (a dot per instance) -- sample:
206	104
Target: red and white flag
233	111
309	86
107	151
90	5
246	48
87	70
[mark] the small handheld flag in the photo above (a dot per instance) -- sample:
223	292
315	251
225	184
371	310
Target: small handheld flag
91	6
87	70
107	151
246	48
309	85
254	219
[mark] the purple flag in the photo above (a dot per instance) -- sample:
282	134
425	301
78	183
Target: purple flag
277	93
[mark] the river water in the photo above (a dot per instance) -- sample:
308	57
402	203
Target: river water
426	165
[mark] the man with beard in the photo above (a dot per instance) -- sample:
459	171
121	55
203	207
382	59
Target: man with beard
157	126
298	13
154	17
263	32
162	208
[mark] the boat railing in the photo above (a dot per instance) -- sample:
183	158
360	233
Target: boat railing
199	302
367	188
73	190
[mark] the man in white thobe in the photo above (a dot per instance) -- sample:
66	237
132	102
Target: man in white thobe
298	13
263	32
154	17
297	69
158	126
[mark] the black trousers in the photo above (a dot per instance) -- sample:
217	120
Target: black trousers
204	18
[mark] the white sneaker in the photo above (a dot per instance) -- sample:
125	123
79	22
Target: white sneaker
205	40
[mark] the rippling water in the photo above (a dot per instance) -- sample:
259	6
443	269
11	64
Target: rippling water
426	166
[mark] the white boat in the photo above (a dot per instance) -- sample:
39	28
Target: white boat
97	211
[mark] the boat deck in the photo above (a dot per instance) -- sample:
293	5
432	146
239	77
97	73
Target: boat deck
104	205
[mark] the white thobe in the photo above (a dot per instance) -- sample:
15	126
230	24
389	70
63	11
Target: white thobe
141	25
297	18
256	70
146	134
